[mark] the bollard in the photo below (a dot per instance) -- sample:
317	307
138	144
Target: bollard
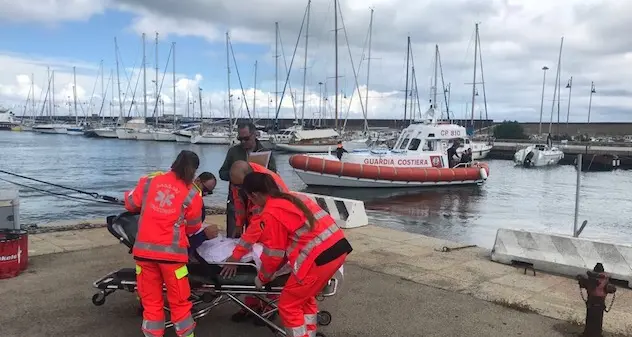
597	285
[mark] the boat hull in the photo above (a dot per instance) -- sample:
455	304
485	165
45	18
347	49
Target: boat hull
182	138
164	137
329	171
144	135
125	134
295	148
213	140
74	131
105	133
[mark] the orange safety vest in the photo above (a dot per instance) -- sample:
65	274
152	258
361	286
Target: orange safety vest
169	210
244	209
301	246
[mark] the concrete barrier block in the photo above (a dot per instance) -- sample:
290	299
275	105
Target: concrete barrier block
348	213
562	254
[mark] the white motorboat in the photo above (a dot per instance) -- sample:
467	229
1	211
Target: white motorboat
285	135
480	150
50	128
74	130
538	155
212	136
311	141
7	120
129	129
164	135
418	159
105	132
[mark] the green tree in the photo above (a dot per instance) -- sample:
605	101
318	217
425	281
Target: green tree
509	130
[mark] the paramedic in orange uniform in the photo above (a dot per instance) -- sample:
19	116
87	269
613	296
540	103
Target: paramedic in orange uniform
170	208
246	212
294	229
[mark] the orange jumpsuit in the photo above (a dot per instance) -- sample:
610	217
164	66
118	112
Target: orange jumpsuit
315	256
169	211
246	213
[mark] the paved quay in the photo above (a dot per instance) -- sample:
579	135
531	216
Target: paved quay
457	293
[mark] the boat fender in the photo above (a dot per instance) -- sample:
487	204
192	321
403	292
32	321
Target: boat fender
483	173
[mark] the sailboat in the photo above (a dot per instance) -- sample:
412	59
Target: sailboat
538	155
480	150
318	140
75	130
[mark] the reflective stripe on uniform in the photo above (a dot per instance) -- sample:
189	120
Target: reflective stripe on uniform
130	200
184	327
174	247
307	249
153	325
304	230
298	331
149	334
244	244
311	319
273	252
182	272
138	270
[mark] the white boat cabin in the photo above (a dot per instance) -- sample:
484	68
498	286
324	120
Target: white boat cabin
430	137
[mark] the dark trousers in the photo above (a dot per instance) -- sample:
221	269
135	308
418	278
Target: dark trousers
230	216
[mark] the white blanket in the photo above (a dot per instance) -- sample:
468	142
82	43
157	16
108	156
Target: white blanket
221	248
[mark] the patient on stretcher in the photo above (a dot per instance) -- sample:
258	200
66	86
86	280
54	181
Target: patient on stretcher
219	248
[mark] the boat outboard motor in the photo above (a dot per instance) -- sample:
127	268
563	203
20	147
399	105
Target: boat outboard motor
527	159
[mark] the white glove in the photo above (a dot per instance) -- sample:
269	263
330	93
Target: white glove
258	283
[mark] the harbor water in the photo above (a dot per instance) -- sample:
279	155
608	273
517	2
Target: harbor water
513	197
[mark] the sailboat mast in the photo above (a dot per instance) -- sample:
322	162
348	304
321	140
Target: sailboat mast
230	107
156	95
368	74
144	81
118	78
436	74
53	95
102	86
47	102
555	91
173	63
336	61
309	5
254	95
406	89
74	93
33	96
276	67
200	104
474	76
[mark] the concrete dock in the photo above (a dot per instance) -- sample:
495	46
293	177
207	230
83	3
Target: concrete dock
396	284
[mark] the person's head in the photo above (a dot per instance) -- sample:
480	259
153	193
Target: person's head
261	186
238	171
469	151
185	166
339	144
206	181
247	135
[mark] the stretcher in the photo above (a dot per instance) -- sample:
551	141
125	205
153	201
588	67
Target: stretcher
208	289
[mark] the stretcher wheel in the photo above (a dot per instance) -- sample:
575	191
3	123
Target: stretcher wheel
98	299
323	318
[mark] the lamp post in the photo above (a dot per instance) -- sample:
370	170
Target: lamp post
592	91
544	69
569	86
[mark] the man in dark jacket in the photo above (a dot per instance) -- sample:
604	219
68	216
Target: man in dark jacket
248	143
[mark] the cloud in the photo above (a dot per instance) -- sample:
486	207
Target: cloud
46	11
517	39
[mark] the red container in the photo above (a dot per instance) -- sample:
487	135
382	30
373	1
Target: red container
13	252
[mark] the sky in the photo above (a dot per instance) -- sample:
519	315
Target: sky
517	39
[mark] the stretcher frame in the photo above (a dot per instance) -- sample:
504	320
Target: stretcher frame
205	296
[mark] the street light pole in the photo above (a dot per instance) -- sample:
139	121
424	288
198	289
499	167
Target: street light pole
544	69
592	91
569	86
